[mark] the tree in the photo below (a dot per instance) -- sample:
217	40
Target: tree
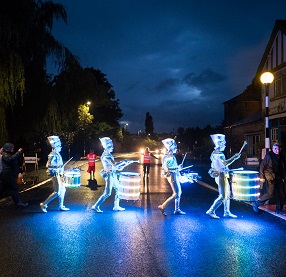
149	125
25	43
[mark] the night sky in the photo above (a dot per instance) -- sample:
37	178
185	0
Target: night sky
177	59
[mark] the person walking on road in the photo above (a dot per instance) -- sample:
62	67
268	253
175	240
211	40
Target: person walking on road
147	161
220	171
55	170
10	171
171	172
272	170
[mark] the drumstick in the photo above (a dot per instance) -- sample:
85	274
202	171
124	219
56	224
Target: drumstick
244	144
185	167
67	162
184	158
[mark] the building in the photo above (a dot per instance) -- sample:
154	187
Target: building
244	115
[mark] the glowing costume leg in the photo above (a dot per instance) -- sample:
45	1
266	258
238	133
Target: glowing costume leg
176	195
227	213
62	192
218	201
226	197
116	206
105	195
50	198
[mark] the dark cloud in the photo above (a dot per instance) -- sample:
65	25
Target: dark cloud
167	84
206	77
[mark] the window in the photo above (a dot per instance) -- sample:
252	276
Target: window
280	87
252	145
274	134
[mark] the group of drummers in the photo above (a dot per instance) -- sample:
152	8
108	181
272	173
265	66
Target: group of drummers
272	170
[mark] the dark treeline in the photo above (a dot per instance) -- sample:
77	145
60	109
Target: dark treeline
35	104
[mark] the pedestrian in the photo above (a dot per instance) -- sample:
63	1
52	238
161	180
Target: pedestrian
10	171
147	161
91	157
171	172
109	174
56	171
272	170
220	171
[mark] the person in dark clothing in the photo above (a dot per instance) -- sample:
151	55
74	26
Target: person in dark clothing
272	170
10	171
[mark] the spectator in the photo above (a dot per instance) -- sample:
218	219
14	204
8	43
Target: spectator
272	170
10	171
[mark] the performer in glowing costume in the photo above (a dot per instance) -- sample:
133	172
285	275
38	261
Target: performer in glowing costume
171	172
55	169
110	176
219	170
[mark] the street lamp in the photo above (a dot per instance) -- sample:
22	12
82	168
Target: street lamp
87	105
126	126
266	79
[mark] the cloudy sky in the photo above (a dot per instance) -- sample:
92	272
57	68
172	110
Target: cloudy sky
177	59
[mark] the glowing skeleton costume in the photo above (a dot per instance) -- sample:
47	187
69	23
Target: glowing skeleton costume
220	171
55	170
110	176
171	170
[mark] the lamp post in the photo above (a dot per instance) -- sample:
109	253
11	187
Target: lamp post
87	105
266	79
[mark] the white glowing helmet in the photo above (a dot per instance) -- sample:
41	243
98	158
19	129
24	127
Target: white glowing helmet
106	142
218	140
169	143
54	141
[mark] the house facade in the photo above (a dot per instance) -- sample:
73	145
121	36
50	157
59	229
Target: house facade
244	115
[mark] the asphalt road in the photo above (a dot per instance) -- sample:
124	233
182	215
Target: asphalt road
139	241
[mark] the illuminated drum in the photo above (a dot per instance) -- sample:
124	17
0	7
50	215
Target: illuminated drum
189	177
245	185
129	185
72	178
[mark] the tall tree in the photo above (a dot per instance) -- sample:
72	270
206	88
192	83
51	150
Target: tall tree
149	125
25	43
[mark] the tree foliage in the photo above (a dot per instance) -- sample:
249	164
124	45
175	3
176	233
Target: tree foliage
34	104
149	125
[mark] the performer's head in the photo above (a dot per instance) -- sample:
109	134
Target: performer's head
219	141
147	150
170	144
107	143
55	143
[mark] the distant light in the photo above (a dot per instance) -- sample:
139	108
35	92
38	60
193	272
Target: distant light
266	78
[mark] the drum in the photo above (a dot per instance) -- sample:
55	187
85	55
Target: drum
245	185
72	178
189	177
129	185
